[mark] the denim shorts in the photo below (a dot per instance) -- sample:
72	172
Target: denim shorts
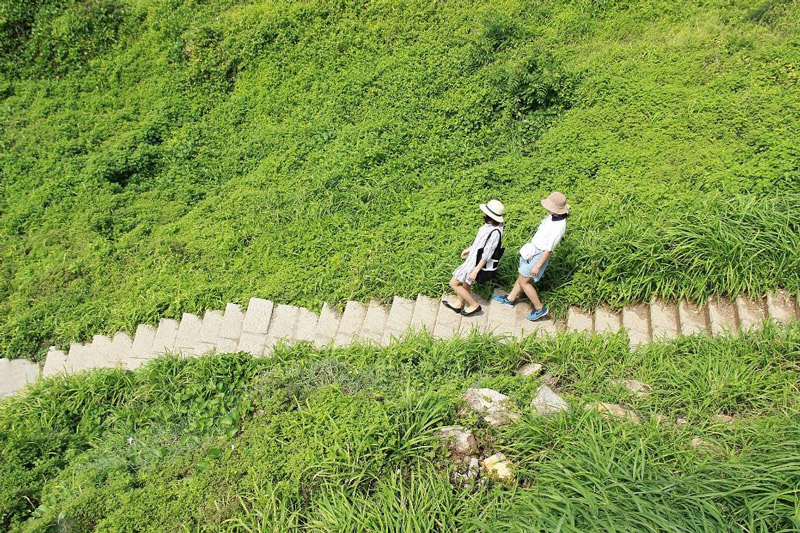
525	267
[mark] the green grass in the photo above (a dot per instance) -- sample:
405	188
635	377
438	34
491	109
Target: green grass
160	157
343	440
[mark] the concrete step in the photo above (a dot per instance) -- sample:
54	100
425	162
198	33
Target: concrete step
447	321
475	323
209	332
426	311
722	316
781	307
142	347
374	326
664	319
282	326
188	334
636	320
606	320
327	326
255	326
104	352
580	320
16	374
693	318
399	319
306	325
524	327
79	357
231	329
351	323
501	319
751	312
121	345
164	341
55	362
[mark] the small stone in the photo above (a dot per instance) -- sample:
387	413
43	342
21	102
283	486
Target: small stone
681	421
699	444
493	405
530	369
498	467
548	402
460	440
637	387
723	419
608	410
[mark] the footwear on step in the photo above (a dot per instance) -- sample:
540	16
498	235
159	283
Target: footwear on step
504	300
452	307
536	314
473	312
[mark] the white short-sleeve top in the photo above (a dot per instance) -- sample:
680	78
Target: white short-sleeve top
549	233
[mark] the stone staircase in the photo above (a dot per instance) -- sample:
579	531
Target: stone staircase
264	324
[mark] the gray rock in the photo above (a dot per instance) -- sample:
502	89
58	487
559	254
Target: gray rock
460	440
548	402
530	369
722	419
494	406
637	387
613	410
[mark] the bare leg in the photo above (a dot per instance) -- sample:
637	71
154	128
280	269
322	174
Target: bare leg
455	284
530	291
464	295
514	294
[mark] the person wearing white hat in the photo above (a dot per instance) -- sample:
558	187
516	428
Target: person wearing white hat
535	254
480	260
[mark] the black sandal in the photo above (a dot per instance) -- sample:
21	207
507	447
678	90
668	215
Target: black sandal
473	312
452	307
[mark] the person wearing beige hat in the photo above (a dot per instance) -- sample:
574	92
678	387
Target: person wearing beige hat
480	260
535	254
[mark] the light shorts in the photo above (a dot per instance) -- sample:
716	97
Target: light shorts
525	267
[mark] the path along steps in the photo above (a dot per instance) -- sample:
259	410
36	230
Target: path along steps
264	325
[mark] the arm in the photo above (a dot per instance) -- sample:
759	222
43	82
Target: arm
465	253
545	256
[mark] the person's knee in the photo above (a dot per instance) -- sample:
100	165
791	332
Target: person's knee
522	280
454	283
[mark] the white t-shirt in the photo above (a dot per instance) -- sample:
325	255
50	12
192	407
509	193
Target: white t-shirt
549	233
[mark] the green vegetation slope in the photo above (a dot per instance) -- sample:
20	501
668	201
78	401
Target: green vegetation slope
344	440
161	156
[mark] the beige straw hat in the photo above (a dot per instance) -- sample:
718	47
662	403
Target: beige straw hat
494	209
556	203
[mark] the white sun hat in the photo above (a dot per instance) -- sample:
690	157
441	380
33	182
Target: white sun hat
494	209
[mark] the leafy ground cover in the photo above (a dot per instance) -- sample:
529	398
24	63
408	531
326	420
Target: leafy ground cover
343	440
160	157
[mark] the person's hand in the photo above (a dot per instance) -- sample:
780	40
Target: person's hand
465	253
535	271
474	274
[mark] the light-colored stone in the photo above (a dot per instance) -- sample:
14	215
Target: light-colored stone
530	369
681	421
722	419
258	316
426	310
663	319
350	326
580	320
251	343
722	316
498	467
547	402
121	345
612	410
100	353
500	318
231	329
282	326
327	326
636	320
15	374
781	306
447	322
693	318
751	313
702	445
459	440
399	320
79	357
496	408
143	342
209	333
56	362
164	341
188	334
637	387
306	325
374	325
606	320
475	323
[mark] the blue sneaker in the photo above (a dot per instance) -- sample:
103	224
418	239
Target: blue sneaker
536	314
503	300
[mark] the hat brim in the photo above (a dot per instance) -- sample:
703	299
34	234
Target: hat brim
485	209
553	208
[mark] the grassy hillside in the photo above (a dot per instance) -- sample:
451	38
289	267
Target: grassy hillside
162	156
344	440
